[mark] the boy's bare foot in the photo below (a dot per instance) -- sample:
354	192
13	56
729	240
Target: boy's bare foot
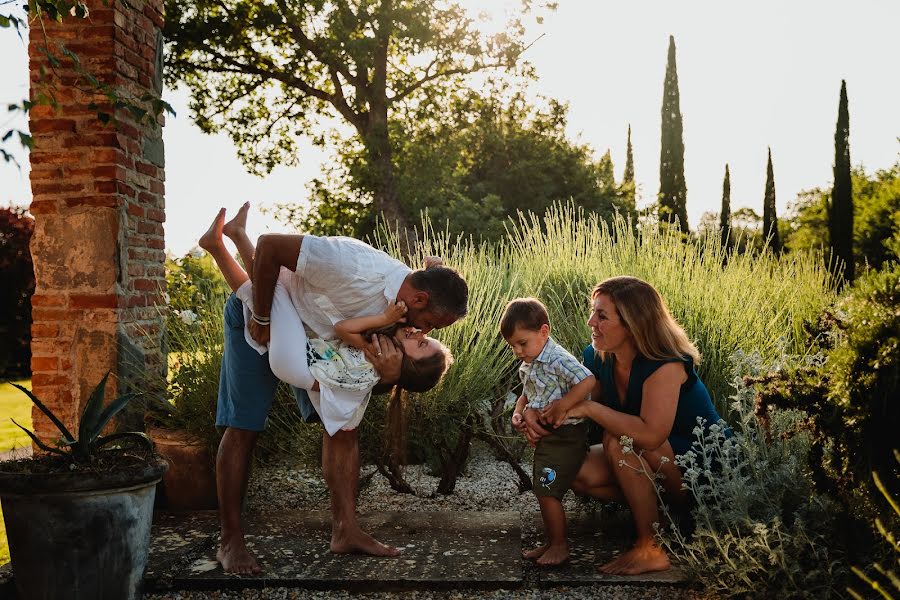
359	542
535	552
238	224
554	555
644	558
235	558
212	239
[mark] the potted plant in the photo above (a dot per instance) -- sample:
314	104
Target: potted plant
78	516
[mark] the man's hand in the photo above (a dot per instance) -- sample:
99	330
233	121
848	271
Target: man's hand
385	357
260	333
433	261
531	428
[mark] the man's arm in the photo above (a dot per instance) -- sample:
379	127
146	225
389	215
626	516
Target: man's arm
273	251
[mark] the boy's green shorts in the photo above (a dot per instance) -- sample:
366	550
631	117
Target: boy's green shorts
557	458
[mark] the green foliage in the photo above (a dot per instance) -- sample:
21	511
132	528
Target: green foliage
760	529
851	398
876	218
17	274
672	186
195	292
487	156
889	535
85	448
725	213
770	218
840	208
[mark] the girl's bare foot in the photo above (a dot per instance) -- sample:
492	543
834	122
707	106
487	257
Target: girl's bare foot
238	224
212	239
555	554
535	552
643	558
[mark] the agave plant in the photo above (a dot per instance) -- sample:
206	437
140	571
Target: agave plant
85	447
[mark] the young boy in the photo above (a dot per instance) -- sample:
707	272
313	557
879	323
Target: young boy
553	382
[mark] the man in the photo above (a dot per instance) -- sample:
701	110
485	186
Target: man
333	279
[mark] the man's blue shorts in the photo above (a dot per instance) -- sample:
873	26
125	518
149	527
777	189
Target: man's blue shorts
246	382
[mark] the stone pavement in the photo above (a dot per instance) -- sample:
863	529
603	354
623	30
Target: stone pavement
441	550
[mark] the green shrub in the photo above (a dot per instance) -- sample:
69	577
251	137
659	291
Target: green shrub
760	530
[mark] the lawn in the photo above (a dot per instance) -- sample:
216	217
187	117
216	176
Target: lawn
15	404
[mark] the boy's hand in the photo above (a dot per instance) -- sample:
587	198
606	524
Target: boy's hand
395	312
518	421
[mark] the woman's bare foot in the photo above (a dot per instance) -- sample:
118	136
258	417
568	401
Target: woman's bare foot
555	554
238	225
535	552
212	239
643	558
235	558
359	542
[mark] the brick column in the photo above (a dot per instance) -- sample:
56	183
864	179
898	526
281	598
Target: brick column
98	203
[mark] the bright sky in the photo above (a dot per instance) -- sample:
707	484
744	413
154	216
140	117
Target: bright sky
758	74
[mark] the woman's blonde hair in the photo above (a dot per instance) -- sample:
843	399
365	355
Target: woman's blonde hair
657	334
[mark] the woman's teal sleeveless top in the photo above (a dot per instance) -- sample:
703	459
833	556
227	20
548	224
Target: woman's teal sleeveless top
693	400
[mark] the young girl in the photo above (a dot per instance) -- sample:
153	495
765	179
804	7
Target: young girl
344	377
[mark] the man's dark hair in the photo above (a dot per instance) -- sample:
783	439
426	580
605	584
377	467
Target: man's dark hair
527	313
448	293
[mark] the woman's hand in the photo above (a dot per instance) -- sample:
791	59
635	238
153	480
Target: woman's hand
395	312
385	357
531	428
579	411
553	414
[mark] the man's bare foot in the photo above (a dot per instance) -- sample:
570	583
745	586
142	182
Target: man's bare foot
359	542
644	558
535	552
238	224
555	554
212	239
235	558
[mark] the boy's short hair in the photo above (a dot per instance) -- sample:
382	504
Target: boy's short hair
527	313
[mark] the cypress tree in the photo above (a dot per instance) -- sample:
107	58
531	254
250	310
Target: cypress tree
628	176
770	219
840	209
725	215
672	187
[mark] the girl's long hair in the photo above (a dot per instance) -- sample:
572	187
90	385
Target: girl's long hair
656	333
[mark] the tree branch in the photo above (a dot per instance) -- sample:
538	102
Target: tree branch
439	74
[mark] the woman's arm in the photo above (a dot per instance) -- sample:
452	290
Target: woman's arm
659	400
351	330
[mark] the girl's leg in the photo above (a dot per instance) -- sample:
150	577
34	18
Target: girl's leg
236	230
287	343
211	241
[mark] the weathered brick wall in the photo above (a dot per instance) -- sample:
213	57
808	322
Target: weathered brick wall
98	203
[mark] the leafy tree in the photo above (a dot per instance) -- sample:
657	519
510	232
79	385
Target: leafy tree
17	275
725	215
267	72
840	209
628	185
487	156
770	219
746	229
672	186
876	210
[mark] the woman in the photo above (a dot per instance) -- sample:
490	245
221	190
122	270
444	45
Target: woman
647	390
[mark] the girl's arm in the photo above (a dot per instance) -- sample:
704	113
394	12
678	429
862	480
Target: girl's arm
351	330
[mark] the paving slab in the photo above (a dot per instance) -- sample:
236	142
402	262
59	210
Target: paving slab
441	550
594	538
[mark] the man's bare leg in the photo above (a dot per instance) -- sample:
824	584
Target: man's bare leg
236	231
340	464
232	476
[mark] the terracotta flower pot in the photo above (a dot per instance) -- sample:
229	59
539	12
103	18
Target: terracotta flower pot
190	482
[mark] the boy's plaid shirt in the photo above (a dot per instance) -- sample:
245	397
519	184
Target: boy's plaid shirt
553	373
